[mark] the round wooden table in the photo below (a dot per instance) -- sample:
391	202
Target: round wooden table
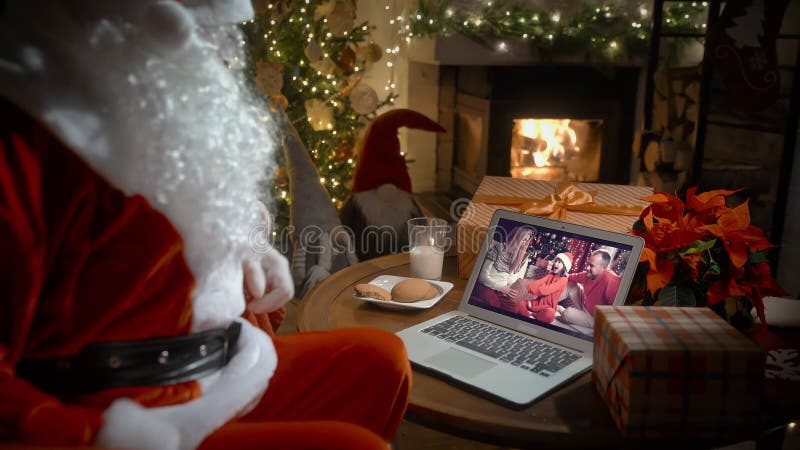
572	416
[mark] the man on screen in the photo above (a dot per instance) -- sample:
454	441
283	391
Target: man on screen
600	285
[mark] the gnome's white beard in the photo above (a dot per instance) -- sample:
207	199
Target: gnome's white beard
174	125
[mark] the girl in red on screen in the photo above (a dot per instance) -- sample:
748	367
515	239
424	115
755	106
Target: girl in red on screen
546	291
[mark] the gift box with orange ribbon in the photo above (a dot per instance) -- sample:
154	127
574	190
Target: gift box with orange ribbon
676	372
606	206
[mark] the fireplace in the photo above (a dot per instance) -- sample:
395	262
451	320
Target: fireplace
556	149
561	123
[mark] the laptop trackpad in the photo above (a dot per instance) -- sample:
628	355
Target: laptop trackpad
460	363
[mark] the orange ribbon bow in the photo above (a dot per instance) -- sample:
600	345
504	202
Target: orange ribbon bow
567	197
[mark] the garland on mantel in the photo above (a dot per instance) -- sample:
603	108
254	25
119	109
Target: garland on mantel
604	32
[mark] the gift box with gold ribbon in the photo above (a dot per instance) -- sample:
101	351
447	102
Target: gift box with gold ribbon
605	206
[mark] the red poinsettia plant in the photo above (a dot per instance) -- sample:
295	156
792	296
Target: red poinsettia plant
704	253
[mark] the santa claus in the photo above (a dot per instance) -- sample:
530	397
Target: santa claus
129	222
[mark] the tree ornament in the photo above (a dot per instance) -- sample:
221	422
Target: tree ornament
349	84
281	177
371	52
345	150
313	51
320	115
259	6
347	60
279	9
324	10
278	102
364	99
342	18
269	78
324	65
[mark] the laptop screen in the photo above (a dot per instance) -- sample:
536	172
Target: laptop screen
552	278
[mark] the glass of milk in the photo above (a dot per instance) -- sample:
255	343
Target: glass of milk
427	243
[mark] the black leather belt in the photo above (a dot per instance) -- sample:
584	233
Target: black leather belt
145	362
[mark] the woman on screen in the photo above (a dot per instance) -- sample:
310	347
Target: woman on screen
505	263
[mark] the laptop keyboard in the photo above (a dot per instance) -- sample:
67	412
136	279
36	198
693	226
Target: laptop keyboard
505	346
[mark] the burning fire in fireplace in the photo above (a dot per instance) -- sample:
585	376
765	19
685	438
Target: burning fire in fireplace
555	149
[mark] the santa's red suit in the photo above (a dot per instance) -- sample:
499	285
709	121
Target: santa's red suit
106	247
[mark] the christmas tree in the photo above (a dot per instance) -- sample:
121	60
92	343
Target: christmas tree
307	57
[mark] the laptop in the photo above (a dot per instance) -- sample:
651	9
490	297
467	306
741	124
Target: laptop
514	344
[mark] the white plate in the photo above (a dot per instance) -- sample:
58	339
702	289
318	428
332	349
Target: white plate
388	281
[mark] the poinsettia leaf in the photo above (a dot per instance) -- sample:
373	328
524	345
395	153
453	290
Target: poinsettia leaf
735	219
674	295
659	275
714	268
697	247
707	200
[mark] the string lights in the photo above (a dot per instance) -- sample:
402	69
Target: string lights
600	32
318	52
312	55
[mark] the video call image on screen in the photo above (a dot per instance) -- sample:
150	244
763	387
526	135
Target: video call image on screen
548	277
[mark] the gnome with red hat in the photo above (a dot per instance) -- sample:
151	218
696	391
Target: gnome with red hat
546	291
381	202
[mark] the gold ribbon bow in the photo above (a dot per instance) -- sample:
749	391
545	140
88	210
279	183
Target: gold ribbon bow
567	197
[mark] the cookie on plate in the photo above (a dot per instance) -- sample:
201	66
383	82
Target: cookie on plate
413	290
372	291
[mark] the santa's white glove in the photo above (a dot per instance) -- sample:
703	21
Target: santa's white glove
268	283
128	425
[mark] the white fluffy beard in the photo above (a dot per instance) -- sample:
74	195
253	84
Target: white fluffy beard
173	124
